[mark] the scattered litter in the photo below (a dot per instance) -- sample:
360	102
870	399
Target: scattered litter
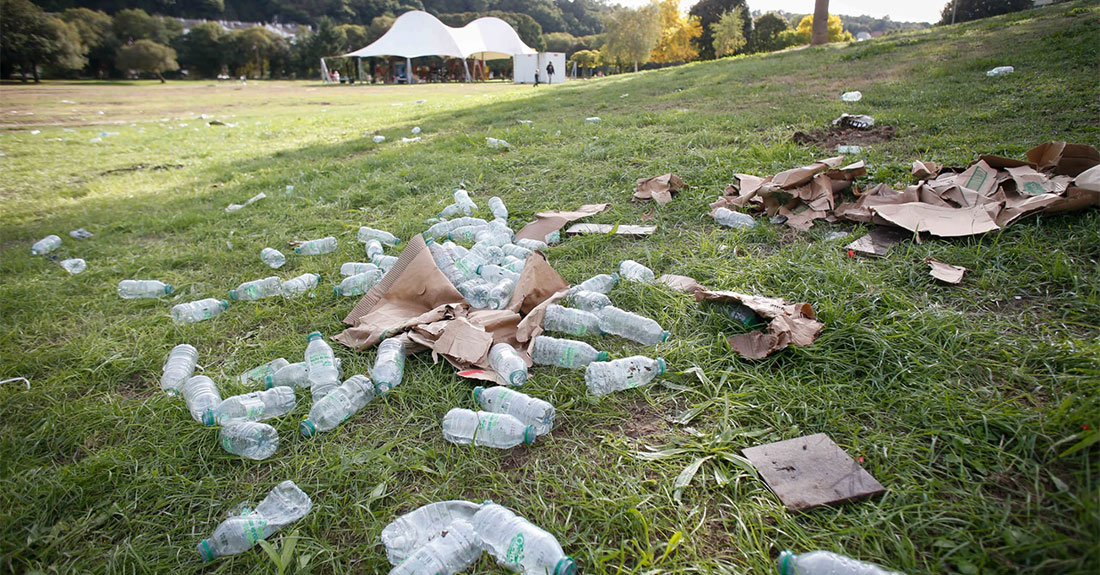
249	439
35	132
500	430
857	121
456	549
411	531
420	102
359	284
45	245
605	229
414	139
415	130
810	471
272	257
624	95
604	377
322	373
548	222
15	379
178	368
853	96
234	207
67	102
877	243
201	397
74	266
80	234
732	219
285	504
257	289
1000	71
528	122
297	286
592	120
627	325
501	530
314	247
289	189
790	324
496	143
633	271
389	365
945	272
835	236
680	283
197	311
849	150
821	562
567	353
658	188
256	405
378	139
133	289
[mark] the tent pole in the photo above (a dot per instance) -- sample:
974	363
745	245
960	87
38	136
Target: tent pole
409	70
466	67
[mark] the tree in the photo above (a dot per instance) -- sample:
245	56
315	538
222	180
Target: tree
355	36
835	28
765	32
630	35
137	24
31	38
379	26
253	47
676	43
147	56
973	9
96	36
820	30
586	59
560	42
203	49
729	33
710	12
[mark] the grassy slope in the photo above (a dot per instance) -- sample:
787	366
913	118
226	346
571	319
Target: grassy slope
959	399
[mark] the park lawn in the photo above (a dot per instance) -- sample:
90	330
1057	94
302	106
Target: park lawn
964	401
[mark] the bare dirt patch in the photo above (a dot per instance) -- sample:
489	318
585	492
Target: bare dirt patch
843	136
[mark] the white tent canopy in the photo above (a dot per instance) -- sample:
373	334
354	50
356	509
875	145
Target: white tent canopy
415	34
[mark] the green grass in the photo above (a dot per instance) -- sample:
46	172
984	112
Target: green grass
960	399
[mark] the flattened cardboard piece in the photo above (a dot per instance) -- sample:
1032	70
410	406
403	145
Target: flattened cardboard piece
531	324
811	471
680	283
978	177
880	195
620	230
1067	159
849	172
1089	179
791	324
796	177
658	188
804	219
1002	163
1017	207
1029	182
549	222
1075	199
388	322
537	282
938	220
925	170
747	184
463	341
945	272
962	197
877	243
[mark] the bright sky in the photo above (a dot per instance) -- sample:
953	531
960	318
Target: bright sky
898	10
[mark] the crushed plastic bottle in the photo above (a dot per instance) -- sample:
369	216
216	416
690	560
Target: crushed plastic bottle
513	264
262	372
853	96
553	237
443	228
462	205
476	292
518	252
497	143
295	287
601	283
519	545
604	377
378	139
1000	71
592	120
445	262
849	150
507	363
389	365
493	235
133	289
529	410
358	284
466	234
373	248
256	405
73	265
744	315
296	375
45	245
249	439
385	238
411	531
339	405
356	268
415	130
826	563
197	311
257	289
500	294
272	257
631	326
284	505
178	368
496	206
316	247
456	548
201	396
633	271
565	353
570	321
590	301
482	428
321	363
385	263
80	234
732	219
494	273
531	244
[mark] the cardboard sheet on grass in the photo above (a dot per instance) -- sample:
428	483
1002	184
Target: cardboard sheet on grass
415	301
549	222
658	188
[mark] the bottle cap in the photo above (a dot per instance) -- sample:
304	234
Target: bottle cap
784	563
518	377
269	381
661	366
477	393
396	241
565	566
168	288
208	418
205	551
233	294
603	356
336	290
224	304
313	335
615	279
478	270
664	336
382	387
529	435
427	240
307	428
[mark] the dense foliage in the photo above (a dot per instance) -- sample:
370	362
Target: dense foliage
973	9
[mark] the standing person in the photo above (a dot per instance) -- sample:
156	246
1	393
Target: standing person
549	72
536	77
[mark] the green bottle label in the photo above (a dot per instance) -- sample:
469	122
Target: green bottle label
514	554
254	529
568	357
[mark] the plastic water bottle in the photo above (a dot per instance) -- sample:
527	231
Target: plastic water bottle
340	404
590	301
256	289
633	271
262	372
296	375
732	219
603	377
249	439
631	326
378	139
744	315
571	321
201	396
565	353
513	264
358	284
826	563
45	245
73	265
374	248
601	284
295	287
385	263
256	405
465	234
520	545
178	368
197	311
527	409
489	252
499	430
592	120
445	262
496	206
356	268
506	361
476	292
532	244
457	547
321	362
501	293
272	257
494	273
853	96
497	143
553	237
367	234
389	365
133	289
283	505
1000	71
316	247
411	531
444	228
518	252
493	235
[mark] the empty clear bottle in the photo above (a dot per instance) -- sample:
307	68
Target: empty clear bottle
600	283
501	293
340	404
385	238
513	264
493	235
384	262
133	289
262	372
456	548
411	531
443	228
316	247
178	368
256	289
494	273
462	205
73	265
565	353
532	244
590	301
197	311
358	284
321	362
389	365
272	257
356	268
476	292
283	505
295	287
466	234
527	409
553	237
631	326
732	219
296	375
518	252
519	545
201	396
482	428
506	361
45	245
633	271
445	262
826	563
256	405
570	321
496	206
604	377
249	439
489	253
374	248
744	315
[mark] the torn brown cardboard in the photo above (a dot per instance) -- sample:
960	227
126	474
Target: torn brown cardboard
799	176
464	342
945	272
979	177
791	324
925	170
937	220
658	188
877	243
531	325
549	222
680	283
537	282
1089	179
605	229
1063	158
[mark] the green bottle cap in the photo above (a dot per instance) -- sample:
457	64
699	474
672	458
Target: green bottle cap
566	566
478	270
381	388
168	288
233	294
518	377
603	356
661	366
336	290
477	393
396	241
664	336
427	240
208	418
205	551
529	435
307	428
615	277
269	381
784	563
313	335
224	304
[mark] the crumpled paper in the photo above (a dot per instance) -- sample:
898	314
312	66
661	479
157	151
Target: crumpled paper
945	272
551	221
658	188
